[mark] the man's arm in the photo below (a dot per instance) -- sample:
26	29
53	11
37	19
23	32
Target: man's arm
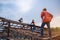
51	15
42	14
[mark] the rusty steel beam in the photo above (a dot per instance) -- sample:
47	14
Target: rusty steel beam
15	22
8	20
8	30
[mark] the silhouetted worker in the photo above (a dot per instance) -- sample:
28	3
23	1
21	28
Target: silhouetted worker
46	19
33	23
20	20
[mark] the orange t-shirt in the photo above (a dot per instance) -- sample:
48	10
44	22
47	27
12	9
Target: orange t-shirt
46	16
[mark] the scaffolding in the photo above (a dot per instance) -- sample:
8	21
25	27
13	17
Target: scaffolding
19	31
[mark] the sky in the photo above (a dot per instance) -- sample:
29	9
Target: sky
30	9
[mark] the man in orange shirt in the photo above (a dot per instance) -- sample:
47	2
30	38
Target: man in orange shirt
46	19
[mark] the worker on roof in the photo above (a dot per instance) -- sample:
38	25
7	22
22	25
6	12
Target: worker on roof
46	19
33	23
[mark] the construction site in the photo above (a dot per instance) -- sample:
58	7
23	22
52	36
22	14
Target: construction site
14	30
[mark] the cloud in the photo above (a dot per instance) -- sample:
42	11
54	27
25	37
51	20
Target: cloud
14	9
24	5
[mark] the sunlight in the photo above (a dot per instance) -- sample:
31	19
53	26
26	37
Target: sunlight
56	22
24	5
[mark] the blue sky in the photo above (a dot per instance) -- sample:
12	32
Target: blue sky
30	9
